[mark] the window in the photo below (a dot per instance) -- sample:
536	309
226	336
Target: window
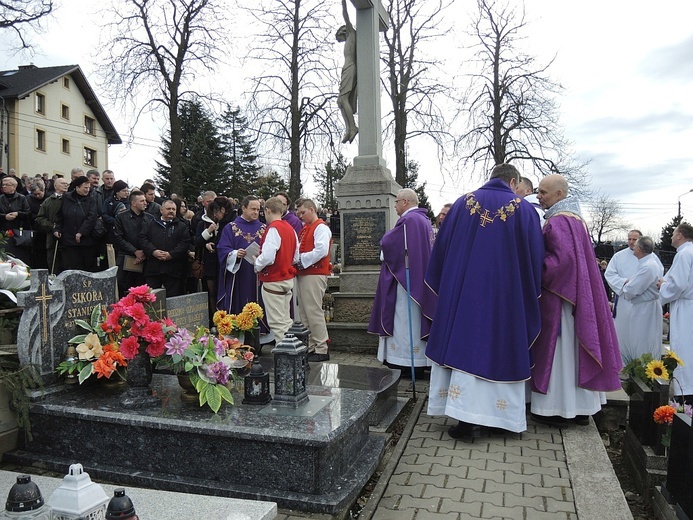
65	112
90	157
40	140
40	103
89	125
66	83
66	146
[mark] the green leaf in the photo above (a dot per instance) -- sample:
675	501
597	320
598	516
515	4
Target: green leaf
85	373
84	325
189	367
201	388
213	398
225	394
95	316
78	339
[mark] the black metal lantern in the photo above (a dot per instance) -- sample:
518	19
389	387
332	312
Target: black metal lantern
121	507
299	330
256	385
290	364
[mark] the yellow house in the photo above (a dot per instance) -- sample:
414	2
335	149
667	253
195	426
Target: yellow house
52	122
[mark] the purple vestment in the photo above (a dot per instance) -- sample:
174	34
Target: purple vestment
235	290
294	221
393	272
485	268
571	274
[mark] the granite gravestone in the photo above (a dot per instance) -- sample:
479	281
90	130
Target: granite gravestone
189	311
50	311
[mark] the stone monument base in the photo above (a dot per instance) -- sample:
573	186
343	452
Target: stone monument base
316	461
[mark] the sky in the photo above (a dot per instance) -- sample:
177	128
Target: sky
626	69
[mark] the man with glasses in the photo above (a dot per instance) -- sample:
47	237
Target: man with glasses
412	236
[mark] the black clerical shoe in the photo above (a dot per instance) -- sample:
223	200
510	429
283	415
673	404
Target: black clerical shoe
550	420
464	430
582	420
314	357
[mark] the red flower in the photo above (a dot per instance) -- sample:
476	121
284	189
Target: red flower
129	347
9	233
137	313
156	348
153	331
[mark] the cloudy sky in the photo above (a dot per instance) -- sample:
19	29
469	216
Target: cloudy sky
627	70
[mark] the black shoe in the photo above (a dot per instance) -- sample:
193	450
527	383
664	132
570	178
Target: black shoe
465	430
551	420
582	420
314	357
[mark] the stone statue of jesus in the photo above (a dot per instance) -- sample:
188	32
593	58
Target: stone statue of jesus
347	100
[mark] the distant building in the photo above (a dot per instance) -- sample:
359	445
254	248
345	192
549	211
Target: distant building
51	121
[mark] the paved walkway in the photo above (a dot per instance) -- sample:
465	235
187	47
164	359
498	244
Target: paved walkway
548	473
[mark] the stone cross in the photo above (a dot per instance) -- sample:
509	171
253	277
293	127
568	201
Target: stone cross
371	18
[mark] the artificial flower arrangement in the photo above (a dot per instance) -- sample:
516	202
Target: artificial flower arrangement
647	369
245	321
664	415
116	337
202	357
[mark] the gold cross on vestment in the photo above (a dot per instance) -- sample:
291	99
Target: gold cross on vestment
44	300
485	218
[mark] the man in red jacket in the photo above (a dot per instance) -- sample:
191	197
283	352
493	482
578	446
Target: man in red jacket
275	268
311	279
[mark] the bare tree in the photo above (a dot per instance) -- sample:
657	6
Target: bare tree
293	99
157	46
511	106
605	215
411	84
18	15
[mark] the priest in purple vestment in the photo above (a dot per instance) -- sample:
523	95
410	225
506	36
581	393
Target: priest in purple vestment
237	280
390	315
576	356
485	269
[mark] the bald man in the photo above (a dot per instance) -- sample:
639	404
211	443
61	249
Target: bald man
576	355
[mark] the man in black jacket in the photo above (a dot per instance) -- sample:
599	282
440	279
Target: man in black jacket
128	225
165	241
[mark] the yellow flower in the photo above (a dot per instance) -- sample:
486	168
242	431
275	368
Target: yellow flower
671	354
91	348
655	369
245	321
254	310
225	325
218	316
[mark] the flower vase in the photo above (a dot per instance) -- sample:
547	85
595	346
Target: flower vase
188	389
139	376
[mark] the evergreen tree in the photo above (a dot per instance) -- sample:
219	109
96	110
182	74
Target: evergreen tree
269	184
203	158
326	180
667	232
242	169
411	180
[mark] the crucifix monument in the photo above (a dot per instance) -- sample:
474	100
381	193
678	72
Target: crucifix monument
367	192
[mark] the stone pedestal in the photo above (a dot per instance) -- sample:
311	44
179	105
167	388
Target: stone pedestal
366	196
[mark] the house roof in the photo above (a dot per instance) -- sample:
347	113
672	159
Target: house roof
20	83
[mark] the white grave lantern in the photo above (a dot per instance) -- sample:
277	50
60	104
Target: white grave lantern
78	497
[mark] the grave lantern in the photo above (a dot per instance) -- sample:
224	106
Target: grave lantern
78	497
25	501
290	364
299	330
121	507
256	385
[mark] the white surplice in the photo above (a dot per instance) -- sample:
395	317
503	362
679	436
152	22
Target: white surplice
677	290
645	330
564	397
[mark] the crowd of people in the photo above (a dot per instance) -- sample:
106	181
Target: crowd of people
93	221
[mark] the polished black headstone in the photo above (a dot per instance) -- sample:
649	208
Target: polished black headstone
189	311
363	231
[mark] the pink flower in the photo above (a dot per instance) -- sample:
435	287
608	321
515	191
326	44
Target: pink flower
137	313
129	347
156	348
153	331
142	293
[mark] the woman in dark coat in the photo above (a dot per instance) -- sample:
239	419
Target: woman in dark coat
37	195
76	221
209	228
